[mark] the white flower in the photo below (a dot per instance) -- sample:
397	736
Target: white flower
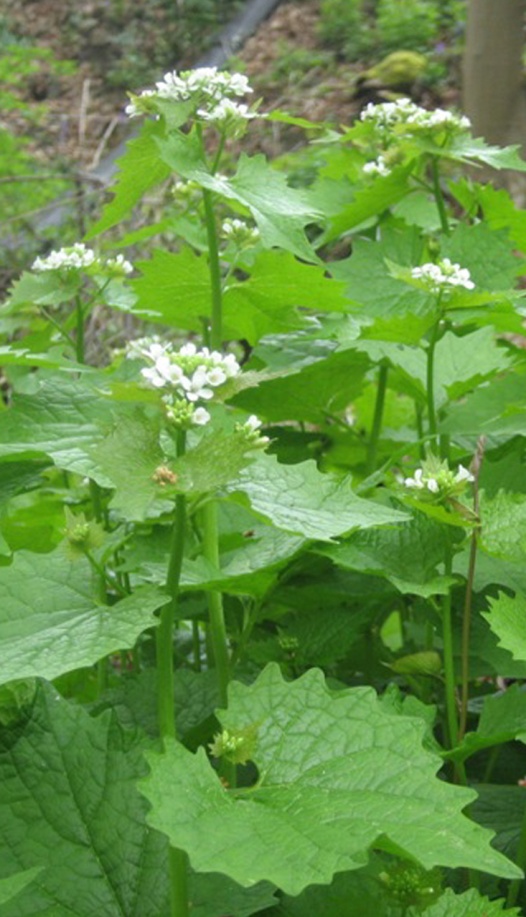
216	376
227	110
443	276
377	167
253	423
230	365
200	417
240	232
388	115
437	478
196	387
188	350
73	257
119	265
416	481
200	86
463	475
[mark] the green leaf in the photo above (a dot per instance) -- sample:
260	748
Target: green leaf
320	388
465	148
11	886
216	895
72	812
503	532
128	458
267	302
387	299
216	459
140	169
298	498
337	776
281	212
464	362
501	809
174	289
469	904
45	289
64	419
506	619
371	201
497	410
408	555
50	623
487	253
350	894
503	719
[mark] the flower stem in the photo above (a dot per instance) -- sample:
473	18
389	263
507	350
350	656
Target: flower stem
466	619
215	602
520	859
377	419
449	669
79	344
178	860
439	196
164	633
431	412
216	324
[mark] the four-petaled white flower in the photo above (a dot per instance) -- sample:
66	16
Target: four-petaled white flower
210	90
436	478
188	376
443	277
404	112
76	257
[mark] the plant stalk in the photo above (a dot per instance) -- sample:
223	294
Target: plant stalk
377	418
516	885
449	669
431	412
216	323
466	618
439	196
178	860
164	633
217	628
79	340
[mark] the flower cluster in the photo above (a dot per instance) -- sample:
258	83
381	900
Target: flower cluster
442	277
188	375
436	478
377	167
76	257
389	115
211	92
238	232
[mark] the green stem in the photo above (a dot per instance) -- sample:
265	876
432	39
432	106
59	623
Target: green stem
439	196
196	646
377	419
216	325
516	885
431	413
466	619
215	602
178	866
164	632
63	333
420	430
178	860
449	669
79	313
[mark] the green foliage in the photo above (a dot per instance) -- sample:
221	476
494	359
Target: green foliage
408	24
300	501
